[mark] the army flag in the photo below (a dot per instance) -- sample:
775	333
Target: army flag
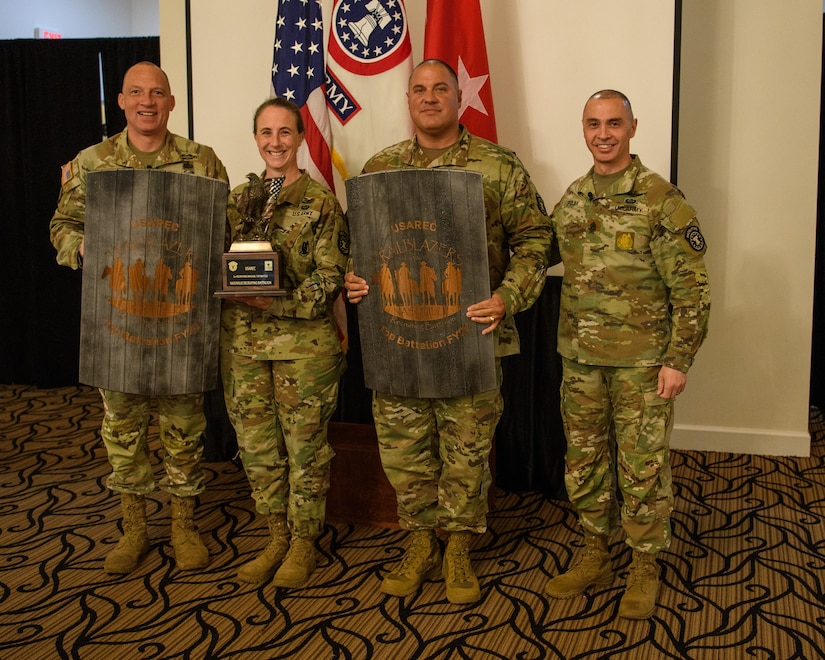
368	67
298	76
454	33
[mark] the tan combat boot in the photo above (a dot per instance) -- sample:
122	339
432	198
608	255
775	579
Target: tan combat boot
134	543
639	600
462	583
190	552
422	561
592	569
262	568
298	563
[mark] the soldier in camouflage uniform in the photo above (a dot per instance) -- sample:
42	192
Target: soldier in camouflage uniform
281	357
147	101
634	311
435	452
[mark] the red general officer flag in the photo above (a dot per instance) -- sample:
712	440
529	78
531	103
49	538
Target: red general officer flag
454	33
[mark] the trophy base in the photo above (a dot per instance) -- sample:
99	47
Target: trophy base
251	268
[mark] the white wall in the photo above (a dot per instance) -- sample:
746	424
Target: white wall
548	56
79	19
749	143
748	158
540	88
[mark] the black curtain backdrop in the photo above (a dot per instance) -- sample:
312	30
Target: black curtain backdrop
530	441
354	399
50	110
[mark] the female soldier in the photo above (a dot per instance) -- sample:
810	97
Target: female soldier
281	356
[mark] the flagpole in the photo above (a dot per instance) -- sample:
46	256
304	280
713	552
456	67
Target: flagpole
189	86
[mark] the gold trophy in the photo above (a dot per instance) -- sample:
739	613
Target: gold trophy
251	267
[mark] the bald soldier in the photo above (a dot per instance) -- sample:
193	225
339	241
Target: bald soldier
146	100
634	310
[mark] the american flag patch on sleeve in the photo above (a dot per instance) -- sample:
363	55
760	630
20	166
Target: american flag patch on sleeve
66	173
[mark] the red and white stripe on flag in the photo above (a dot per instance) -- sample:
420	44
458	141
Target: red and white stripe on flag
298	75
369	65
454	33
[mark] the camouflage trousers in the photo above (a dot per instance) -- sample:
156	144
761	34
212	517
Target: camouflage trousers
125	436
618	428
280	410
435	453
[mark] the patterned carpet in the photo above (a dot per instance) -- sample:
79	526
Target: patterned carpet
743	578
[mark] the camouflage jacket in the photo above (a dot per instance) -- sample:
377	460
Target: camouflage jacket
519	235
635	290
310	233
177	155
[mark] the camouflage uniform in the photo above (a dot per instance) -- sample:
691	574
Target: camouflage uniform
435	451
281	366
635	296
126	416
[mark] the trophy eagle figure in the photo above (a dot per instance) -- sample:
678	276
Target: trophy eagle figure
251	205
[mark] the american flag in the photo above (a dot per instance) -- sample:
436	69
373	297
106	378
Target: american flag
298	75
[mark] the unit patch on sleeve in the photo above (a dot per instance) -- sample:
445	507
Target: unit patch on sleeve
343	242
694	238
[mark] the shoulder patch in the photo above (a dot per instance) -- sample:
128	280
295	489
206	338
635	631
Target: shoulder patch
343	242
694	238
66	173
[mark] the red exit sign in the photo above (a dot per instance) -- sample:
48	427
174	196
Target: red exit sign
40	33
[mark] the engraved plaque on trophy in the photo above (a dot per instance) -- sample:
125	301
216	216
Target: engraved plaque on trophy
251	267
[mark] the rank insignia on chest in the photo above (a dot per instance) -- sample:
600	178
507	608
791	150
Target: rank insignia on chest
624	240
593	225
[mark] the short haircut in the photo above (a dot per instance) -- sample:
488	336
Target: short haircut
154	66
613	94
436	61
